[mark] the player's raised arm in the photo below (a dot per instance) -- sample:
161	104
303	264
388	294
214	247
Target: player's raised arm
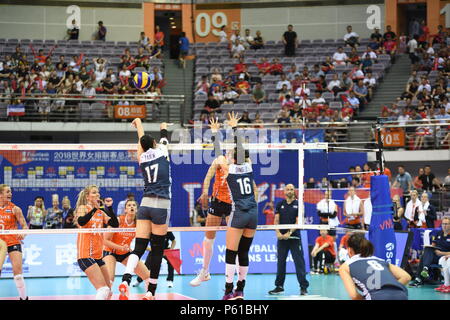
164	140
137	123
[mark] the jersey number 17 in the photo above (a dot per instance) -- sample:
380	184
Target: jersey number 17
153	168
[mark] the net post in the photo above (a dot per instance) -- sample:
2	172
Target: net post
301	172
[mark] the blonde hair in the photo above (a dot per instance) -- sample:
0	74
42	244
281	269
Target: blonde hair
82	196
3	186
137	207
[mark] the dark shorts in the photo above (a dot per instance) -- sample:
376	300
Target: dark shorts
353	226
87	262
155	215
219	208
184	53
244	219
119	257
15	247
389	294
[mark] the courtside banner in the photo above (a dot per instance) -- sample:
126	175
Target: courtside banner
381	230
262	255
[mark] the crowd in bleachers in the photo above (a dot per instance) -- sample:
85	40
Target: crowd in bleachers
426	96
319	81
82	69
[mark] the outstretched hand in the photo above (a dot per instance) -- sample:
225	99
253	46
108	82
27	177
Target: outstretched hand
214	124
233	119
136	122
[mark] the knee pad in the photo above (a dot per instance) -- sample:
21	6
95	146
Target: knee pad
157	243
140	246
243	249
18	279
102	293
230	256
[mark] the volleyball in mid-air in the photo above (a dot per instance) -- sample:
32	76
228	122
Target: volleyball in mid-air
141	80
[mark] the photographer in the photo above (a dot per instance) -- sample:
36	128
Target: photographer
53	219
398	212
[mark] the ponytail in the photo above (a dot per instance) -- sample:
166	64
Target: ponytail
82	196
360	245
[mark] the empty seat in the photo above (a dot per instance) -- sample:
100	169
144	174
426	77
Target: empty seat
335	105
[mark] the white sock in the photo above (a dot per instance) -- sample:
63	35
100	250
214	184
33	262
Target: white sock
20	285
242	273
153	281
102	293
147	281
208	249
131	263
230	269
446	272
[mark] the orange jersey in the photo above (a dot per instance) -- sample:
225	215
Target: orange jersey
320	241
8	221
90	245
220	187
122	238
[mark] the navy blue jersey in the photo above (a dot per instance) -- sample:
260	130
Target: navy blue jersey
372	274
240	182
155	166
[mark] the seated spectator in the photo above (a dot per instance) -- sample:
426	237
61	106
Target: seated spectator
302	92
366	63
297	82
327	65
218	94
77	81
245	118
370	82
305	75
287	102
295	112
318	103
203	86
211	105
340	57
424	85
283	81
411	90
89	90
236	36
258	120
316	73
100	74
292	72
258	94
237	49
223	35
351	38
242	86
371	54
440	247
389	34
240	67
258	41
356	182
248	39
283	117
276	68
144	41
346	84
124	75
429	180
361	93
216	75
376	35
323	117
230	96
323	253
334	85
390	48
399	212
263	66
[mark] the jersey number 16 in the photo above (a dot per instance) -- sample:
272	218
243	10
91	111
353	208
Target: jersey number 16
244	185
153	168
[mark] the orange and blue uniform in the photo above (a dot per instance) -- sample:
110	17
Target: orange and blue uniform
8	221
121	238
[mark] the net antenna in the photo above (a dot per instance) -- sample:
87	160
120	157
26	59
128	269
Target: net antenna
300	147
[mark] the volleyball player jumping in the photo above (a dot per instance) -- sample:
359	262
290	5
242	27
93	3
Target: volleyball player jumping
154	213
220	206
117	245
10	216
244	217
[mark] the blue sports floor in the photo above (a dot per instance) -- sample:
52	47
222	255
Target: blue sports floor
322	287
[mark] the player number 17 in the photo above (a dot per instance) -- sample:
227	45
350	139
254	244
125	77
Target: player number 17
153	168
